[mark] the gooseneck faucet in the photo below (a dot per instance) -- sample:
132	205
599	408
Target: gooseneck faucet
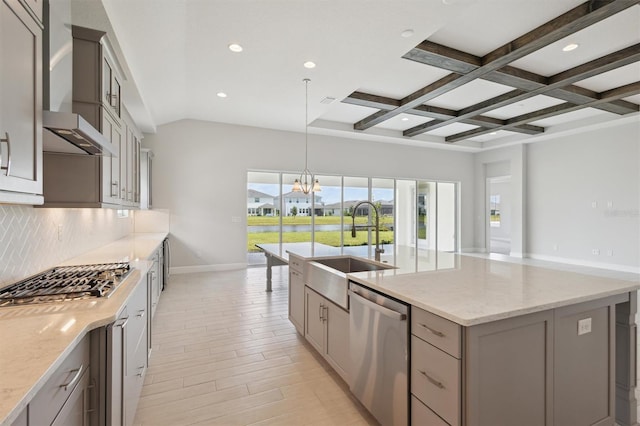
376	226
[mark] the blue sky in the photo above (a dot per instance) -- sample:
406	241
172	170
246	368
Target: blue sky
329	194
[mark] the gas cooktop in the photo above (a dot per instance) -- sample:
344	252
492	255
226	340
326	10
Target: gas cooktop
65	283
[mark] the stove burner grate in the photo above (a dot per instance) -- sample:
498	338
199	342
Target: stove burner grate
66	283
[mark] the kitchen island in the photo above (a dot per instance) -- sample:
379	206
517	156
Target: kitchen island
490	342
505	343
39	338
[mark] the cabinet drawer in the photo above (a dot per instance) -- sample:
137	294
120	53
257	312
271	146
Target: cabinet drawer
296	264
44	407
133	381
436	330
435	380
422	415
137	309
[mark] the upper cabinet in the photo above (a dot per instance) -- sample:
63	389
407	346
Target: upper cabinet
21	102
97	181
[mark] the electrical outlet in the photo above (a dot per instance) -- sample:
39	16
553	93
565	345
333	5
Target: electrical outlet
594	204
609	204
584	326
59	232
595	252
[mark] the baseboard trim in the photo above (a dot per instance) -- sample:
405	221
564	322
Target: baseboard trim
207	268
579	262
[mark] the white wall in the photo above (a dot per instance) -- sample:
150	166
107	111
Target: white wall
565	177
554	183
201	171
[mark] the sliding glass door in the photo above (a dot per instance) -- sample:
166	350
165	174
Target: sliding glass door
417	218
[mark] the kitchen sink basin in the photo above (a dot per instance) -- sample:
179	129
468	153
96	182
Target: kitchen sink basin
328	275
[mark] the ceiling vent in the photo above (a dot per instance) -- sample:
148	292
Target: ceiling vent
328	100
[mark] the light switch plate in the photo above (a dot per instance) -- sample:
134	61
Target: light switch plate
584	326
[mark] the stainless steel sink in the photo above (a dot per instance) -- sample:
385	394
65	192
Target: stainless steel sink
328	276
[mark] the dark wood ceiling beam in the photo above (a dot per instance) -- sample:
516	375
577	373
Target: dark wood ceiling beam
472	111
608	96
437	113
606	63
566	24
510	76
578	18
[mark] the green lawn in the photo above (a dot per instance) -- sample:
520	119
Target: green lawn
331	238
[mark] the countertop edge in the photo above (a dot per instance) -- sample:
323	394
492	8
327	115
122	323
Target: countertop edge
141	269
467	322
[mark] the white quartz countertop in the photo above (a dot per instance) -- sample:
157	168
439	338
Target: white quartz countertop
472	290
37	338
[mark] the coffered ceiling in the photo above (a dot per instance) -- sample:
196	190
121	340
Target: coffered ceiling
470	74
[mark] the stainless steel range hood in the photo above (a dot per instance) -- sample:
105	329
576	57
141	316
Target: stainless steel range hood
75	129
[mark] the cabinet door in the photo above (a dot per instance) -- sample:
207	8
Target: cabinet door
75	409
314	319
111	184
107	72
296	300
337	344
509	371
21	100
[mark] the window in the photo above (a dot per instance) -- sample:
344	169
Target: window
494	201
417	217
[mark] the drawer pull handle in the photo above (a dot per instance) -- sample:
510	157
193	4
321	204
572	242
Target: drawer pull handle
140	313
432	380
432	331
8	142
141	368
75	378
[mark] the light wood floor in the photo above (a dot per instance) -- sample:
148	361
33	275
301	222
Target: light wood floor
224	353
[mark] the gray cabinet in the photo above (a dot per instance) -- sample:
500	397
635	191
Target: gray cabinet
436	368
146	181
296	293
126	361
21	102
96	181
64	399
534	369
327	330
112	184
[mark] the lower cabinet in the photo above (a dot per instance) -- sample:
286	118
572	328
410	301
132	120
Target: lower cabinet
535	369
120	351
64	399
327	329
296	299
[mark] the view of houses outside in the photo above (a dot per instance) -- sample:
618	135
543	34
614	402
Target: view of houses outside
325	215
408	208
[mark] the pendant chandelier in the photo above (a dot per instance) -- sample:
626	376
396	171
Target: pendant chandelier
306	183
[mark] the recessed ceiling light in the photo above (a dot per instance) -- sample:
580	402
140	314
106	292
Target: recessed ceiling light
221	94
404	119
569	47
309	64
407	33
235	48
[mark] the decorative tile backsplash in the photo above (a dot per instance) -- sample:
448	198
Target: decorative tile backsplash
35	239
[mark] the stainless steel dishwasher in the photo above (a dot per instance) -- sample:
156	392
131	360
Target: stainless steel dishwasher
378	334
